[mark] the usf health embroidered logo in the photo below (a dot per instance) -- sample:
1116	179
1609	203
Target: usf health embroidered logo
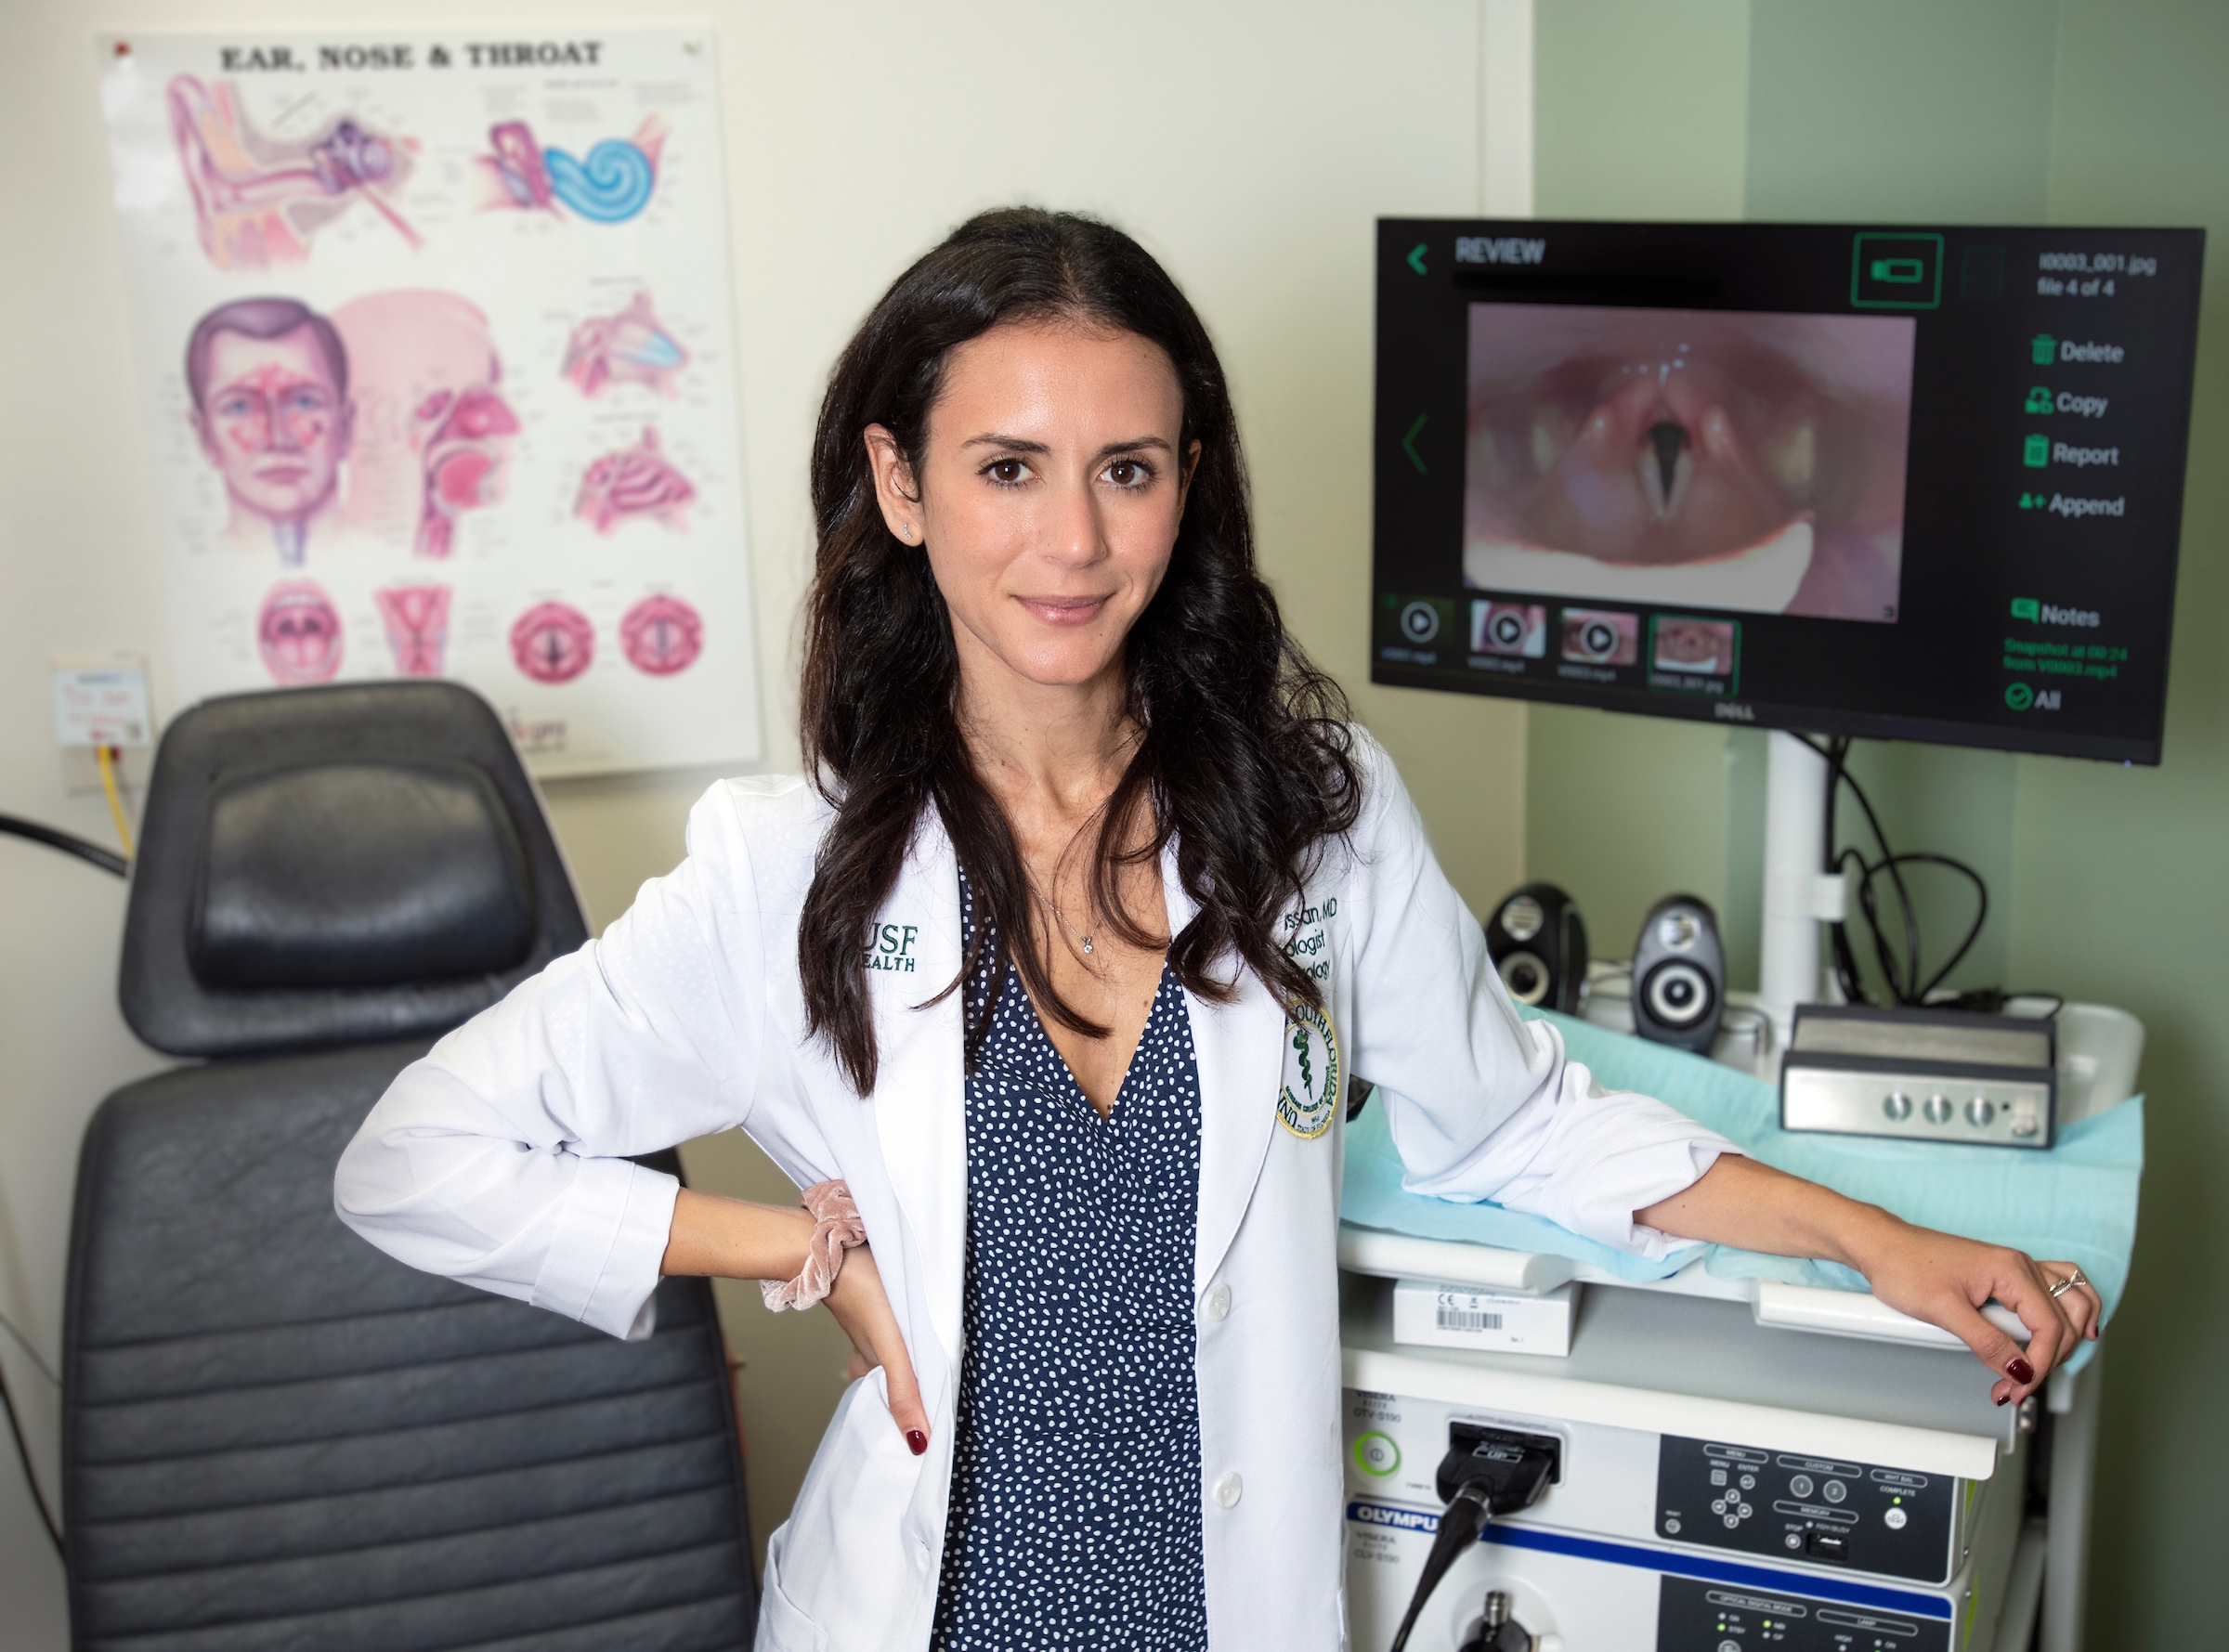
890	946
1309	1099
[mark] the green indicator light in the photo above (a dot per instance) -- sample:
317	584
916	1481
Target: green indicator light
2036	452
1376	1454
2038	400
2042	349
1899	270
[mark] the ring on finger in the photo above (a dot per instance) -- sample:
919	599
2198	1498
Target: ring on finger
2067	1285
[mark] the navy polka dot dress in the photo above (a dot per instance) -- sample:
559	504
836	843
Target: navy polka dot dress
1076	1483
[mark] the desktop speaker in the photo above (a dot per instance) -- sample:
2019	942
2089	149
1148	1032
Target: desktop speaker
1538	945
1679	974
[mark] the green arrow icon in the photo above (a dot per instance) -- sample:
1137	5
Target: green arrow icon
1417	257
1408	442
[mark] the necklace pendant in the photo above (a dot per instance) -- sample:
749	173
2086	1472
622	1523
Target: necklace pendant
1086	946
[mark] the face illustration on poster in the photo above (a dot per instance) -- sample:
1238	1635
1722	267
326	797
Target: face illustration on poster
434	344
267	379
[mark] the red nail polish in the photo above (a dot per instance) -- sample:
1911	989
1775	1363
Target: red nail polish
917	1442
2020	1371
2001	1398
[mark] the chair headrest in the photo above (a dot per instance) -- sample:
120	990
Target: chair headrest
329	865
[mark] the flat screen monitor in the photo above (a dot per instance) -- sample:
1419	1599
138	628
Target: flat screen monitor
1911	483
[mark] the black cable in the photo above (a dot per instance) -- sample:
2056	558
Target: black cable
31	1478
108	859
1460	1524
1903	982
1498	1473
25	1343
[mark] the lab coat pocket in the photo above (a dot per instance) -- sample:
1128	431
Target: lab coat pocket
848	1567
782	1627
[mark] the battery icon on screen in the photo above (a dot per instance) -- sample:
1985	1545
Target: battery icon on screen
1902	271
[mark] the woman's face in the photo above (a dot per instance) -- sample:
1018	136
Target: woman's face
1048	497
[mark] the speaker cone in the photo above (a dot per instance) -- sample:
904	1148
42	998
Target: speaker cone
1678	994
1526	977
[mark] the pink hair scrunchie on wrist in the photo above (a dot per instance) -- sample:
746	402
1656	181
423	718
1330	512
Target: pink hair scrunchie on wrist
835	1228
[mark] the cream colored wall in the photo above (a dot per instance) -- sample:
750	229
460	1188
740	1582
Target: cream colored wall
1249	144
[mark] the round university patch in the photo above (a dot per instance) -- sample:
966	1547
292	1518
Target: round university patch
1309	1097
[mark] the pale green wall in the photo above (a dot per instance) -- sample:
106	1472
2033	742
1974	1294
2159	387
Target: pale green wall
2111	884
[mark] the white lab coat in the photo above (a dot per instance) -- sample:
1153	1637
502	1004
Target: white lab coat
500	1159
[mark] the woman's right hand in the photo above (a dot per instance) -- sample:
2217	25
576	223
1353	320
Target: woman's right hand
862	1307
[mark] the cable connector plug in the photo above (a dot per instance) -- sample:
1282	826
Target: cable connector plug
1486	1472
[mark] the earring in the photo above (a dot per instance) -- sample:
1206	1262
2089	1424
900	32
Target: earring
907	531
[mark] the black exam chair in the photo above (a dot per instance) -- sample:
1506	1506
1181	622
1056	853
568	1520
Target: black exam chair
274	1436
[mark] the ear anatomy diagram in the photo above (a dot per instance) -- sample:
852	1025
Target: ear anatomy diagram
298	633
611	186
628	348
662	636
417	621
553	642
268	383
629	482
437	430
258	201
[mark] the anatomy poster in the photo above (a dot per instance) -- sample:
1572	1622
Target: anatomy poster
435	337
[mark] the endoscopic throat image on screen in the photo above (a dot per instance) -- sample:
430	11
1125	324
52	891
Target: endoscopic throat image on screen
1715	460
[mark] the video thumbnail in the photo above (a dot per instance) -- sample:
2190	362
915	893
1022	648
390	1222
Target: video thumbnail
1514	629
1595	637
1699	647
1703	459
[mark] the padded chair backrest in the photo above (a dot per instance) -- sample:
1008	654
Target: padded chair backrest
329	865
274	1436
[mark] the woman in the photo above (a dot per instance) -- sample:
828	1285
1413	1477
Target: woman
1059	962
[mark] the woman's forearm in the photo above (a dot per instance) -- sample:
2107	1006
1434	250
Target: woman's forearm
733	1239
1753	1207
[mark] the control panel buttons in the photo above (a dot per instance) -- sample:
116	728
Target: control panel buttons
1896	1105
1980	1111
2024	1125
1800	1485
1749	1482
1895	1519
1937	1109
1836	1491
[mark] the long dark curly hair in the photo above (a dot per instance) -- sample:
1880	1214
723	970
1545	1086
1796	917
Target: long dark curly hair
1244	757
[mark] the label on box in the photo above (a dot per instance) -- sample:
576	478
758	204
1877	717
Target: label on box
1442	1316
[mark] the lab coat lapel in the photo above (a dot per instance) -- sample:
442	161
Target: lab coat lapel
920	1103
1240	1049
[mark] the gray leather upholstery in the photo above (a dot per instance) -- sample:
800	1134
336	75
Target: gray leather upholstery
276	1438
321	864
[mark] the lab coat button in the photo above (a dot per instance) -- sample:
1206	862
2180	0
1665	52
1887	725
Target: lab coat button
1229	1490
1218	1303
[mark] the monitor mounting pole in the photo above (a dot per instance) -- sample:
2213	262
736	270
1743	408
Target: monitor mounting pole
1800	894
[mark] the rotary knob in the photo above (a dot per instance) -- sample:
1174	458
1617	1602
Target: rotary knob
1979	1111
1938	1109
1896	1105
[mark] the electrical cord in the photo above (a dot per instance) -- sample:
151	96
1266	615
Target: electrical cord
1492	1476
25	1343
107	860
31	1478
1903	979
105	757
